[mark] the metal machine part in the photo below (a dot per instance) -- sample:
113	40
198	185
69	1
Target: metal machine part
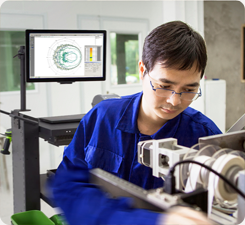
233	140
156	199
117	187
160	155
238	125
99	98
240	200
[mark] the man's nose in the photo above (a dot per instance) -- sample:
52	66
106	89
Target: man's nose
174	99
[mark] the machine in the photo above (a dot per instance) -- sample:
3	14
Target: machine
222	155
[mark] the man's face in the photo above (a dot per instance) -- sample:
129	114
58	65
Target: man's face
166	108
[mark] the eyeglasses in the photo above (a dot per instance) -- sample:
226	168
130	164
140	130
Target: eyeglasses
167	93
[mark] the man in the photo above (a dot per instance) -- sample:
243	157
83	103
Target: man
173	63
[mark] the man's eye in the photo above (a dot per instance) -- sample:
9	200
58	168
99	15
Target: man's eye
189	90
163	86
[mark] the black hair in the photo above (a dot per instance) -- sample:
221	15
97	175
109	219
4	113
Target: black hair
174	45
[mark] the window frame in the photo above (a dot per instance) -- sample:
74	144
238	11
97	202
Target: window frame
124	39
16	92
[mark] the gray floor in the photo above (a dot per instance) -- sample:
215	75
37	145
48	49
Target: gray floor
6	190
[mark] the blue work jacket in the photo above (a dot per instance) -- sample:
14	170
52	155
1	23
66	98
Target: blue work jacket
107	138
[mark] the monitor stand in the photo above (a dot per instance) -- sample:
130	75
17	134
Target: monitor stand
21	56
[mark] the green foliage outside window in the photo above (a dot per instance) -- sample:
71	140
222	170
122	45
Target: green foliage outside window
10	42
124	58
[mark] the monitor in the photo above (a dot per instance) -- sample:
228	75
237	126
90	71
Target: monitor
65	56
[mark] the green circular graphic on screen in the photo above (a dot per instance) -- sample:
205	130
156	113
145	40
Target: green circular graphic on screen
64	57
67	57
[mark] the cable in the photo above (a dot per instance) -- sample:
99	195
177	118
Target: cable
172	169
4	112
18	117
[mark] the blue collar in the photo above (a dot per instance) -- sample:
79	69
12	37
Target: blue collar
128	120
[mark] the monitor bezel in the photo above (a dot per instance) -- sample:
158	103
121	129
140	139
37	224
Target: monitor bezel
67	79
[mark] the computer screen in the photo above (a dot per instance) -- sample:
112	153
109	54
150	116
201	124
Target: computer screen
65	56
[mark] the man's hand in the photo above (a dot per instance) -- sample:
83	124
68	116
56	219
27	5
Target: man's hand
183	216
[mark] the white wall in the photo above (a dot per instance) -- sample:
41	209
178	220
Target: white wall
51	99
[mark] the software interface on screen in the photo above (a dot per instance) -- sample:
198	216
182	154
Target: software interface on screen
64	55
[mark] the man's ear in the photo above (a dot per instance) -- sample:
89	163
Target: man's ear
141	69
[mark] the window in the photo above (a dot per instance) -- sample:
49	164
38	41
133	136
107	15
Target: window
124	58
10	42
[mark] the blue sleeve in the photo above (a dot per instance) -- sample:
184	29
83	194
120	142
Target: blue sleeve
84	203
